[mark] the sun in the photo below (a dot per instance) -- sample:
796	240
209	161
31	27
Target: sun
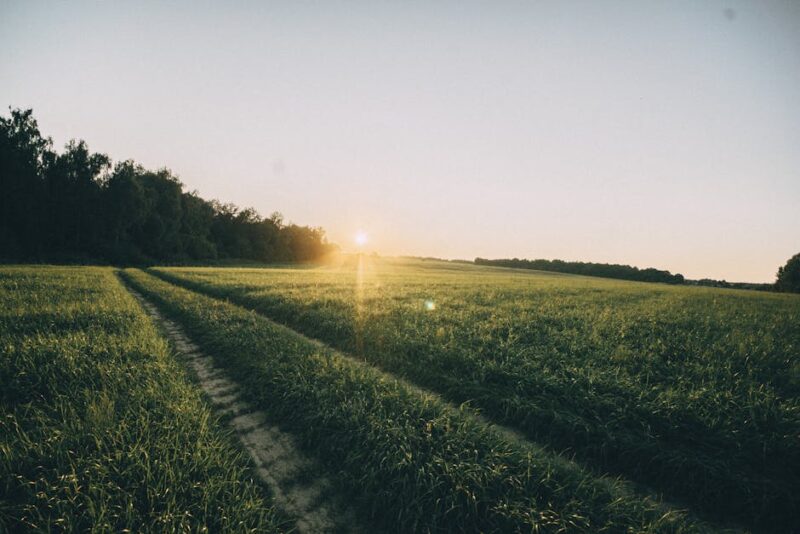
361	238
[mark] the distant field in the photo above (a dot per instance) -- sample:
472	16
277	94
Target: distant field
692	392
687	393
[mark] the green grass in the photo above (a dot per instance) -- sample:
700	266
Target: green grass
690	391
99	428
410	461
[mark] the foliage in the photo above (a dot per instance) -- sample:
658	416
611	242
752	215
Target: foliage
76	206
99	429
789	275
605	270
413	462
691	391
709	282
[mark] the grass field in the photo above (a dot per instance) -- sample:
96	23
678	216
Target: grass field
688	393
99	428
692	392
411	461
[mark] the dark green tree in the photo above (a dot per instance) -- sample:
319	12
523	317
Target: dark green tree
789	275
195	236
23	156
125	210
73	193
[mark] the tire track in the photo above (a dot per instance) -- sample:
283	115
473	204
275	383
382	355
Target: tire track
512	435
279	464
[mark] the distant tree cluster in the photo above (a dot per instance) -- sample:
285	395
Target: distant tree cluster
605	270
709	282
789	275
77	206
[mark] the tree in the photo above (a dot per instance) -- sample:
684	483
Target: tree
68	206
605	270
125	205
789	275
198	215
23	156
72	183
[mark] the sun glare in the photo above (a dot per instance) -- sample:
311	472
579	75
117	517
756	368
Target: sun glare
361	238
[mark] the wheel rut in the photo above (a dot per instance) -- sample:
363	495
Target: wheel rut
511	435
291	477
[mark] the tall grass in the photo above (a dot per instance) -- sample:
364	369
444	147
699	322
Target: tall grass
694	392
412	462
99	429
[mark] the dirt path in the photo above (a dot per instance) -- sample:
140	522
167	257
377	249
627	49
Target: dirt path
292	478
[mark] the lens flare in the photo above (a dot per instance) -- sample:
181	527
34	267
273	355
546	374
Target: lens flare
430	305
361	238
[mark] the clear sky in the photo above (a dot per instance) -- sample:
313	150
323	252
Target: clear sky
661	134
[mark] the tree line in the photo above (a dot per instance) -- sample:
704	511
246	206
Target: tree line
710	282
78	206
605	270
787	279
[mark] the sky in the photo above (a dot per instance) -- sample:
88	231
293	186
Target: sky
663	134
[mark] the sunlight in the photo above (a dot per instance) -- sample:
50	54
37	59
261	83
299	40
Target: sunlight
361	238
